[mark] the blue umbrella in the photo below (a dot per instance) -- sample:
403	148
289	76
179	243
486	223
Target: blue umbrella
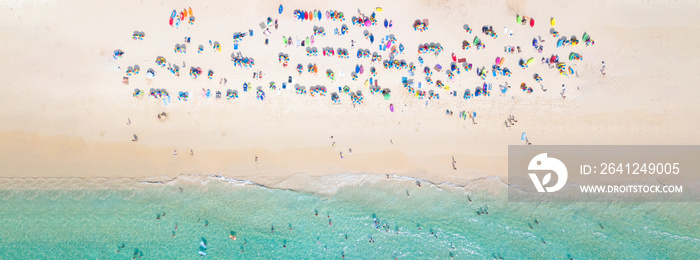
371	38
386	23
280	9
357	68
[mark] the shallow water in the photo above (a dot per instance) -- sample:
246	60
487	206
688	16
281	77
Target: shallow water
93	224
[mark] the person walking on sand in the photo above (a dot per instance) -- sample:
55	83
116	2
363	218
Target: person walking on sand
602	70
175	153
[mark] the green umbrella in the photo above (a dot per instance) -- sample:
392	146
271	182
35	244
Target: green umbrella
387	96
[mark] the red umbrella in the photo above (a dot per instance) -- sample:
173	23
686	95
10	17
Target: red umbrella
532	22
454	58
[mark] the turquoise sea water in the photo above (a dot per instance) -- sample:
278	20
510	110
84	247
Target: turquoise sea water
94	224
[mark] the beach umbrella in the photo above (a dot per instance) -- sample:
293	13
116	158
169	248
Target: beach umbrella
532	22
379	9
517	19
387	96
498	60
552	22
571	70
386	23
391	107
357	68
368	23
318	15
530	60
371	38
278	9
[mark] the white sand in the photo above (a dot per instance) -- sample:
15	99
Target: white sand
64	109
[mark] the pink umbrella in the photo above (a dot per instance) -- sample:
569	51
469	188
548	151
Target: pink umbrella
367	23
391	107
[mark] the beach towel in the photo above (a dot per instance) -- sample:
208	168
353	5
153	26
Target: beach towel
522	137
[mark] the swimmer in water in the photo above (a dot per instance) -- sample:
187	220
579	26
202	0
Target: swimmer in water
536	222
232	237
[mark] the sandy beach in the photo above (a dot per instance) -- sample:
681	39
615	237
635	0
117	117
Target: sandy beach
65	112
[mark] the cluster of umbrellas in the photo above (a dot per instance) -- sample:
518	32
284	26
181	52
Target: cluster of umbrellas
159	93
479	45
362	20
343	54
260	95
284	59
434	48
433	95
318	90
440	85
488	30
160	61
319	31
565	70
118	53
180	48
311	52
369	36
231	94
328	52
210	74
376	57
137	93
312	68
525	88
587	39
183	95
363	53
244	62
195	72
335	15
357	98
238	37
537	77
335	98
466	45
300	90
175	70
138	35
330	74
176	19
133	70
523	64
419	25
